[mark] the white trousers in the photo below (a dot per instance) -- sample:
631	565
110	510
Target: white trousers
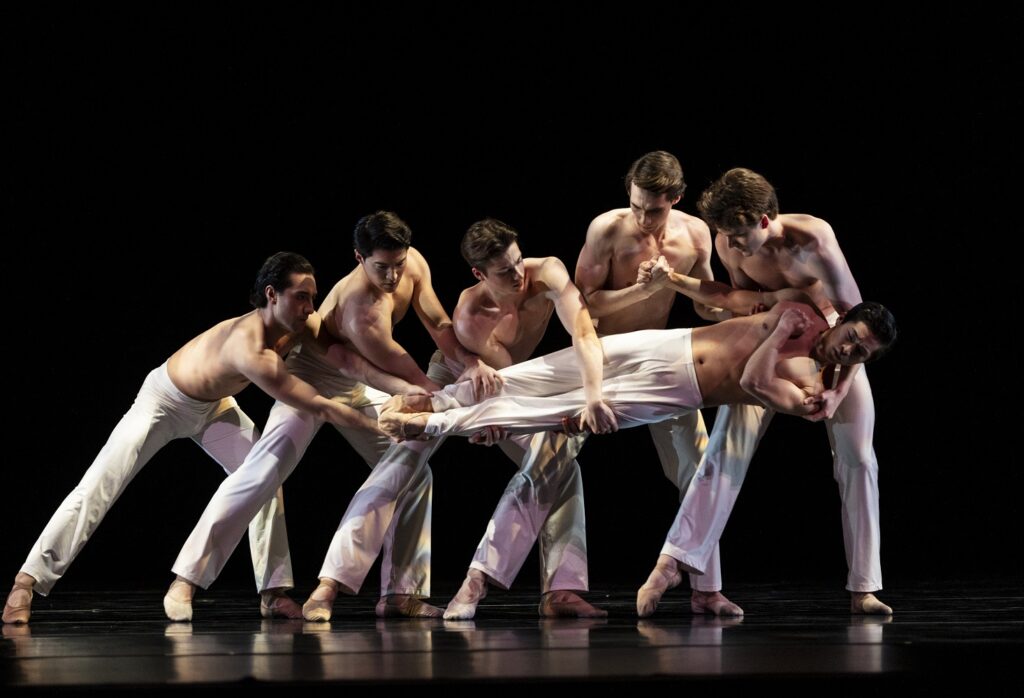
392	507
542	503
708	502
160	414
649	379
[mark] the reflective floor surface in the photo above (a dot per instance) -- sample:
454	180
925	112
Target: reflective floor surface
799	639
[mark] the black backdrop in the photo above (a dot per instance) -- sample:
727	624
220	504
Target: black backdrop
156	157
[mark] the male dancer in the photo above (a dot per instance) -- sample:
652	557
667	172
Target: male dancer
618	242
192	395
503	318
360	312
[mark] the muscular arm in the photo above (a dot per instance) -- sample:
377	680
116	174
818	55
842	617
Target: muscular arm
575	317
760	377
740	301
358	368
348	362
593	269
486	380
369	329
268	372
833	270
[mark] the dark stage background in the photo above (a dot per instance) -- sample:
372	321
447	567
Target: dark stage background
156	157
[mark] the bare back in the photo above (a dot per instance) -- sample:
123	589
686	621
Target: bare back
209	367
505	333
721	352
807	251
616	247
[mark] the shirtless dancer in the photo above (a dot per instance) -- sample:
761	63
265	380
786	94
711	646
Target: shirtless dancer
191	395
392	508
773	358
618	242
503	318
765	250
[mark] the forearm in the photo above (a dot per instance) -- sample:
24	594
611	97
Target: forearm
402	366
591	358
358	368
299	394
601	303
344	416
714	294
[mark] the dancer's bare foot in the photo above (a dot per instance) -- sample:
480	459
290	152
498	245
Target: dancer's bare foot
866	603
275	603
472	592
663	577
320	603
406	606
18	606
713	602
562	603
408	403
178	600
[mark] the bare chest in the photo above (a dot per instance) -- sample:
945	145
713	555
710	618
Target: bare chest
630	253
519	330
781	270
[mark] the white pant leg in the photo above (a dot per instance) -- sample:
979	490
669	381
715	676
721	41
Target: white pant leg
855	468
543	502
391	511
708	501
228	437
154	419
241	496
563	537
680	443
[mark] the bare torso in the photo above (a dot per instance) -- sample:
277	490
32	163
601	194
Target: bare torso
507	332
721	351
353	299
807	252
685	243
206	368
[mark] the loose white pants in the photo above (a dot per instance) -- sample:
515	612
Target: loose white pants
160	414
392	506
649	379
542	503
708	502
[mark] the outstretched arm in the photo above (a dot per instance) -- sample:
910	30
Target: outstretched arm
760	376
358	368
369	329
268	372
575	317
741	301
347	361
